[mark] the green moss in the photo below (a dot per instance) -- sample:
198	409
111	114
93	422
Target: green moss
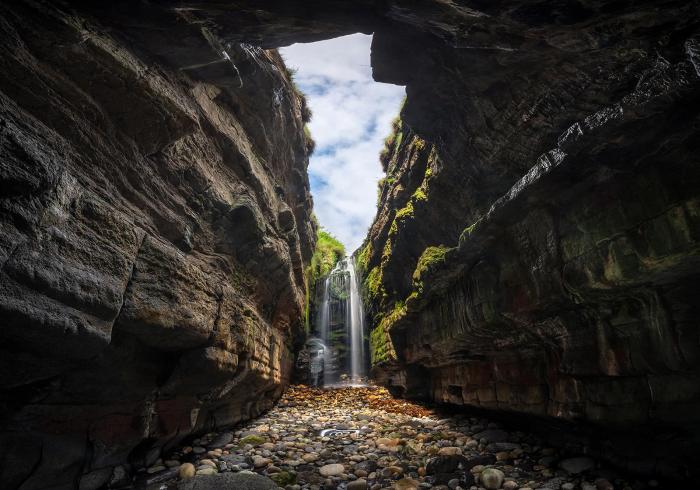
419	195
253	440
328	252
374	282
398	140
418	143
430	257
381	347
283	478
468	231
364	256
386	253
380	189
405	212
393	230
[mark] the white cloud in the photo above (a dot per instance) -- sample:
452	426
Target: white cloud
352	116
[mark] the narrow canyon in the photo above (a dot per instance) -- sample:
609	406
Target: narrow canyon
523	312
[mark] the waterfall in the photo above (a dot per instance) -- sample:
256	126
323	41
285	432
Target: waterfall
357	325
322	322
340	325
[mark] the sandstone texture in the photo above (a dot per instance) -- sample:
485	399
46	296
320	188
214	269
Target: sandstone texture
535	250
536	246
154	226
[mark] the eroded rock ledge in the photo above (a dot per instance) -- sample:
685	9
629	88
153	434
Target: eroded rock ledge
155	219
536	245
154	225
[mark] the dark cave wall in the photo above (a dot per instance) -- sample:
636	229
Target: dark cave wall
154	227
536	244
156	219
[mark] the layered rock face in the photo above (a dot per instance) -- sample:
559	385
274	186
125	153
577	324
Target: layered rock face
536	245
535	250
154	226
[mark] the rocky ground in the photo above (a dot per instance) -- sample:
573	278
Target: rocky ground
378	443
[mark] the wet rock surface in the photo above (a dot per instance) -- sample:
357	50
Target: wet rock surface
386	444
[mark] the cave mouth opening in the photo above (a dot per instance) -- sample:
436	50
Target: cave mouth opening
351	118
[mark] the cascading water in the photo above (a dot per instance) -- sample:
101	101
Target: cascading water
357	325
322	327
340	326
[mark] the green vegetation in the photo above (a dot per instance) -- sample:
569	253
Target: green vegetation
253	440
381	347
418	143
382	184
386	253
284	478
328	252
404	214
466	233
430	257
373	288
374	282
364	256
419	195
398	312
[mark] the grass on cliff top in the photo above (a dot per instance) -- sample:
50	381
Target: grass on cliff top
328	252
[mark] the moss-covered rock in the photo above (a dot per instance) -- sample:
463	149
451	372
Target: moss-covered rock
381	347
431	257
284	478
253	440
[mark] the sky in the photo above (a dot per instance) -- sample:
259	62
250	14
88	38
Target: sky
352	115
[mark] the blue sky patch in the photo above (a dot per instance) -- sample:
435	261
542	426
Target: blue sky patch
352	115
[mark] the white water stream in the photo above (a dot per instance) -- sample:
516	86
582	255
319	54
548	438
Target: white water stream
341	326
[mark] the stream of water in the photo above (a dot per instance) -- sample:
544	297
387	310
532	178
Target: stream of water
340	324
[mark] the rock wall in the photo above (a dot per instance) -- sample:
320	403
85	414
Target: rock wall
536	245
535	250
154	226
